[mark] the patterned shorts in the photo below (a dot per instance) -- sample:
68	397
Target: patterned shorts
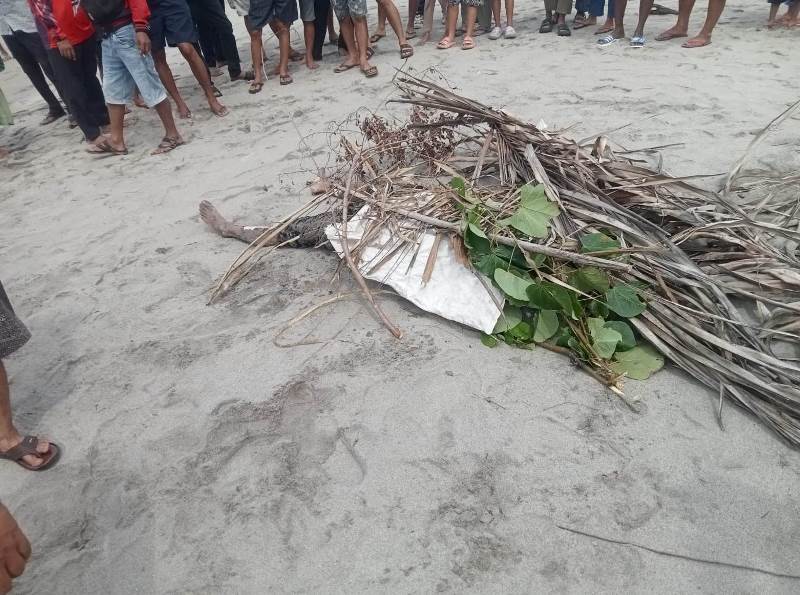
477	3
350	8
13	333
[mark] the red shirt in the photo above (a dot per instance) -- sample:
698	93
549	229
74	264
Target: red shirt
72	23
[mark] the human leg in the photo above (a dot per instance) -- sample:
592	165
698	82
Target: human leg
321	10
281	31
644	11
200	72
703	38
681	27
308	16
70	76
33	70
212	15
393	16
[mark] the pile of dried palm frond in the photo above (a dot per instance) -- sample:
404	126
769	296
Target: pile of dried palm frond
593	250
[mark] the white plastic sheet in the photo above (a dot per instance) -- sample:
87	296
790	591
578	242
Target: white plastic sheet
453	291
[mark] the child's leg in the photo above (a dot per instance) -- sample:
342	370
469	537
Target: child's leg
469	25
496	12
509	13
452	19
427	21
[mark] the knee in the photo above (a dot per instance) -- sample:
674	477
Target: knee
186	49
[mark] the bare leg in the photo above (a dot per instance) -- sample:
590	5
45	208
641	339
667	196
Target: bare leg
165	74
452	20
715	8
509	13
773	13
412	14
347	30
214	219
427	22
200	72
380	31
361	33
116	113
496	12
257	55
281	31
644	11
9	436
469	26
308	33
681	27
393	16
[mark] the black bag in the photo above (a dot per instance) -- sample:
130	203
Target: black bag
105	12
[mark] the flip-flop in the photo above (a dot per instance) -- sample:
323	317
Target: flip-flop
344	68
104	148
406	51
468	43
370	72
370	53
638	41
690	46
296	56
607	40
167	144
28	447
286	79
411	34
376	37
666	36
255	88
445	44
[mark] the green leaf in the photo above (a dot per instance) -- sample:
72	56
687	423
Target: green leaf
460	186
589	279
488	340
549	296
510	318
623	328
488	263
534	212
522	331
514	286
604	339
624	301
546	326
638	363
599	309
598	242
476	241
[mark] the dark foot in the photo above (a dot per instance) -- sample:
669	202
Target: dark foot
212	217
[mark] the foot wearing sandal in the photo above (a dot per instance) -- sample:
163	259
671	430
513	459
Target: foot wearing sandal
377	36
445	44
546	26
638	41
609	39
286	79
30	452
103	146
563	30
406	51
672	33
245	75
217	108
468	43
168	144
696	42
52	117
369	71
255	87
344	67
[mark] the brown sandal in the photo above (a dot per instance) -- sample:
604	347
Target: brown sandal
406	51
167	144
28	447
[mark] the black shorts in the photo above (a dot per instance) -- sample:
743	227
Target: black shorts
13	333
171	23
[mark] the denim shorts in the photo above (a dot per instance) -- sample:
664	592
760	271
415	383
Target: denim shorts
124	69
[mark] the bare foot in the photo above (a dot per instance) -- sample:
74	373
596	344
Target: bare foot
424	38
216	107
310	64
671	33
214	219
42	447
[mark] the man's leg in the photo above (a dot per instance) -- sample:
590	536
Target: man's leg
281	31
86	53
257	56
211	14
214	219
644	11
165	74
380	31
321	10
308	16
715	8
347	35
200	72
681	27
9	436
70	75
362	40
31	67
412	14
393	16
619	19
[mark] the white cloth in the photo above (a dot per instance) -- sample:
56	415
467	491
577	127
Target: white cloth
15	15
242	7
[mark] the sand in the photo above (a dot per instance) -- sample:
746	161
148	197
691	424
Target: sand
205	455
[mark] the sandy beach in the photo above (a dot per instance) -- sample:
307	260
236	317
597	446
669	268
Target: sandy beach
207	454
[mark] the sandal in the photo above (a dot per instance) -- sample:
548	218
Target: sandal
607	40
286	79
370	72
638	41
445	44
28	447
344	68
468	43
370	53
563	30
167	144
255	88
411	34
406	51
105	148
546	26
296	56
376	37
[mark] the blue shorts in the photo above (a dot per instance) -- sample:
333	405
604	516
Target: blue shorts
124	69
171	23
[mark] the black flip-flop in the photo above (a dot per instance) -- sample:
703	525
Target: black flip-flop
28	447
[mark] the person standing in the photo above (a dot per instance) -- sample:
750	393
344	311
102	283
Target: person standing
638	40
209	15
73	55
556	12
681	27
498	31
354	34
128	67
19	33
171	22
468	42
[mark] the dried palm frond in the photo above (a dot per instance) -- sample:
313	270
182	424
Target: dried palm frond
719	272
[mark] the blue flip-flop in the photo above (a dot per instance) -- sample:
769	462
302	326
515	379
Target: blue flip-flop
638	41
607	40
